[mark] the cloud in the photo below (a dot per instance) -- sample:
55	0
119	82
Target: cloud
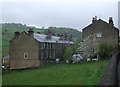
59	1
72	13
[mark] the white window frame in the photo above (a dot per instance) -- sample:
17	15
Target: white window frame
25	55
99	35
44	45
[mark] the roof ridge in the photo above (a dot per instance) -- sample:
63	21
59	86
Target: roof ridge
42	38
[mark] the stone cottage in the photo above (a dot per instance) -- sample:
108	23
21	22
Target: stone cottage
29	49
98	32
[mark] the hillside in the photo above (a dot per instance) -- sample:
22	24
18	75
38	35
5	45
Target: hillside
8	34
76	35
8	30
58	74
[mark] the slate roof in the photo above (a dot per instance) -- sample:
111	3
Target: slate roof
54	39
6	57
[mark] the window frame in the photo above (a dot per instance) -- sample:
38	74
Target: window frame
26	55
99	35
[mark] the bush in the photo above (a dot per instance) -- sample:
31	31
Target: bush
104	50
67	53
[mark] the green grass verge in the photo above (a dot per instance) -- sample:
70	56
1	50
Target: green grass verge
60	74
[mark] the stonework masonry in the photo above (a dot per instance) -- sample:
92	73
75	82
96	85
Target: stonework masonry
96	33
29	49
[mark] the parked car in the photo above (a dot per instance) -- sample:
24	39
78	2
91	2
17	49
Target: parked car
88	59
94	57
57	60
3	67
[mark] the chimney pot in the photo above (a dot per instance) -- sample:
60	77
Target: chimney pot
17	33
49	35
38	32
61	36
30	31
111	21
94	19
66	37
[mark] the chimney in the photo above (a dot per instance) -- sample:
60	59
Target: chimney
58	35
17	33
38	32
94	19
30	31
49	35
61	36
53	34
66	37
111	21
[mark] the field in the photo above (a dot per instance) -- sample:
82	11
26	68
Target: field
58	74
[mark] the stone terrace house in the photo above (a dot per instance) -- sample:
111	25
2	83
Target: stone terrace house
29	49
98	32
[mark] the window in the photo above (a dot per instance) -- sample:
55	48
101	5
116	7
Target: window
26	55
46	45
99	35
47	54
54	53
53	46
41	55
42	45
50	46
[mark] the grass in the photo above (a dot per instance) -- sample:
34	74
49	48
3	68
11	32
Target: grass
59	74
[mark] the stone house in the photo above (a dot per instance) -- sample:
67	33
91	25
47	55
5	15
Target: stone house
98	32
29	49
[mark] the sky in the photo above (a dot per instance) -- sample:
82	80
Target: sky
58	13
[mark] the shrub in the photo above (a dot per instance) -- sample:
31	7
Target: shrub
67	53
104	50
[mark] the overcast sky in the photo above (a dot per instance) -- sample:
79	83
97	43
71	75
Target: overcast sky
61	13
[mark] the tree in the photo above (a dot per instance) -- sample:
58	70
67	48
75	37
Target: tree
67	53
104	50
5	30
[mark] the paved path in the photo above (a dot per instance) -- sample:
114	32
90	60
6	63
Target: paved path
112	74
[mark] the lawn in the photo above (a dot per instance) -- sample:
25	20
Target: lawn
58	74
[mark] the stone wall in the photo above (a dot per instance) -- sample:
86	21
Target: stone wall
109	34
24	52
96	33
